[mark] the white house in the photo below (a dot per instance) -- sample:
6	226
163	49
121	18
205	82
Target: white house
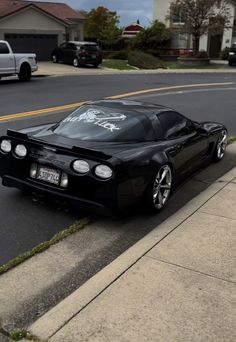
211	43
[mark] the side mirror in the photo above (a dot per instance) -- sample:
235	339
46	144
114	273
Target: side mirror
199	129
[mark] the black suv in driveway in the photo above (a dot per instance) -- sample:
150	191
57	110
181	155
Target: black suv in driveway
78	53
232	54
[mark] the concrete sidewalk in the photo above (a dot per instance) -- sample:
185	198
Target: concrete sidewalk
176	284
60	69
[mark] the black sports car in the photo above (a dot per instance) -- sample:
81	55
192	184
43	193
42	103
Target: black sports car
108	155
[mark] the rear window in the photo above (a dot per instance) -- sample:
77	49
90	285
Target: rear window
90	47
97	123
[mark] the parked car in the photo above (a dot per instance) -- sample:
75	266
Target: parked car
20	64
109	155
232	54
78	53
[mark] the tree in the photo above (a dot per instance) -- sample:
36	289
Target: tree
152	37
102	25
201	16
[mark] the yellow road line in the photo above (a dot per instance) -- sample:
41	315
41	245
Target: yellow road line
74	105
40	111
168	88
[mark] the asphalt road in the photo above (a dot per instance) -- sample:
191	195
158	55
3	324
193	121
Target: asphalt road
25	224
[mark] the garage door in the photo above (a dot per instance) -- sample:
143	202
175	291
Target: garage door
41	44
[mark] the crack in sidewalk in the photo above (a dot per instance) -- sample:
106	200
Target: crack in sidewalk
190	269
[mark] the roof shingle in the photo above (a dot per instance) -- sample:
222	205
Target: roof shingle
60	11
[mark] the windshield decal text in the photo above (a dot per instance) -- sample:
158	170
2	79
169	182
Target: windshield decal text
99	118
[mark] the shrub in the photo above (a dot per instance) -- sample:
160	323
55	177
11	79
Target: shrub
153	37
225	53
143	60
198	54
122	54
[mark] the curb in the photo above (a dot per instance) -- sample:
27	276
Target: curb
55	319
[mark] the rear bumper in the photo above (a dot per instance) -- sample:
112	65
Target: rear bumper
34	68
232	58
83	204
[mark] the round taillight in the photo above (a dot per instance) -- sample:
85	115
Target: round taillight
20	151
103	171
81	166
5	146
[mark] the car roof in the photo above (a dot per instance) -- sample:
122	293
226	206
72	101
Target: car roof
81	43
129	105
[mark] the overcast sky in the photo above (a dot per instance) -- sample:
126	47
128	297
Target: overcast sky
128	10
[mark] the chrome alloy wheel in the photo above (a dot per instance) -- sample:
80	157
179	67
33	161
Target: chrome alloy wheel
221	145
75	62
54	58
162	187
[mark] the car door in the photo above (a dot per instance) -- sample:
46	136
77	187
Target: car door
7	61
186	147
61	52
71	52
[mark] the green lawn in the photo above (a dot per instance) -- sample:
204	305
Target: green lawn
117	64
120	64
176	65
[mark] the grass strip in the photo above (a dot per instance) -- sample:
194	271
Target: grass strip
232	139
118	64
175	65
44	245
19	335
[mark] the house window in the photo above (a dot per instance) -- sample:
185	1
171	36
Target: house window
177	15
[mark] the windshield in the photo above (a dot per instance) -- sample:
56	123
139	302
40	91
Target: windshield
96	123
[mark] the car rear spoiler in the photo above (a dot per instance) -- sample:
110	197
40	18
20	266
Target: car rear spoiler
16	134
81	150
92	153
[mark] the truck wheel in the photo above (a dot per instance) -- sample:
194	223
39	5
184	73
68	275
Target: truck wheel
54	58
25	73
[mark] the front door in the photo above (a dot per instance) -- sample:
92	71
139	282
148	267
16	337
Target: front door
215	45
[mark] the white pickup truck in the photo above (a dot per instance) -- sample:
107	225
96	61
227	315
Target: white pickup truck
21	64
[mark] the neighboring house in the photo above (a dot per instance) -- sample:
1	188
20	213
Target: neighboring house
132	30
211	43
34	26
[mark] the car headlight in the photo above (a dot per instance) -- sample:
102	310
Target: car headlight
5	146
20	151
81	166
103	171
231	53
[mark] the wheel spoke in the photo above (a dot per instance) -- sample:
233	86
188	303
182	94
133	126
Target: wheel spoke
160	198
155	193
163	176
224	138
165	186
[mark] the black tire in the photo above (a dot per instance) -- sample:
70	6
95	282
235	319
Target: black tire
220	148
159	189
75	62
25	73
230	63
95	65
54	58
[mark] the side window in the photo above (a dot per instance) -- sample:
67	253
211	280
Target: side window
71	46
4	49
63	45
175	125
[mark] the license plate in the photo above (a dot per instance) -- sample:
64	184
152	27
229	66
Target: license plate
94	56
48	175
